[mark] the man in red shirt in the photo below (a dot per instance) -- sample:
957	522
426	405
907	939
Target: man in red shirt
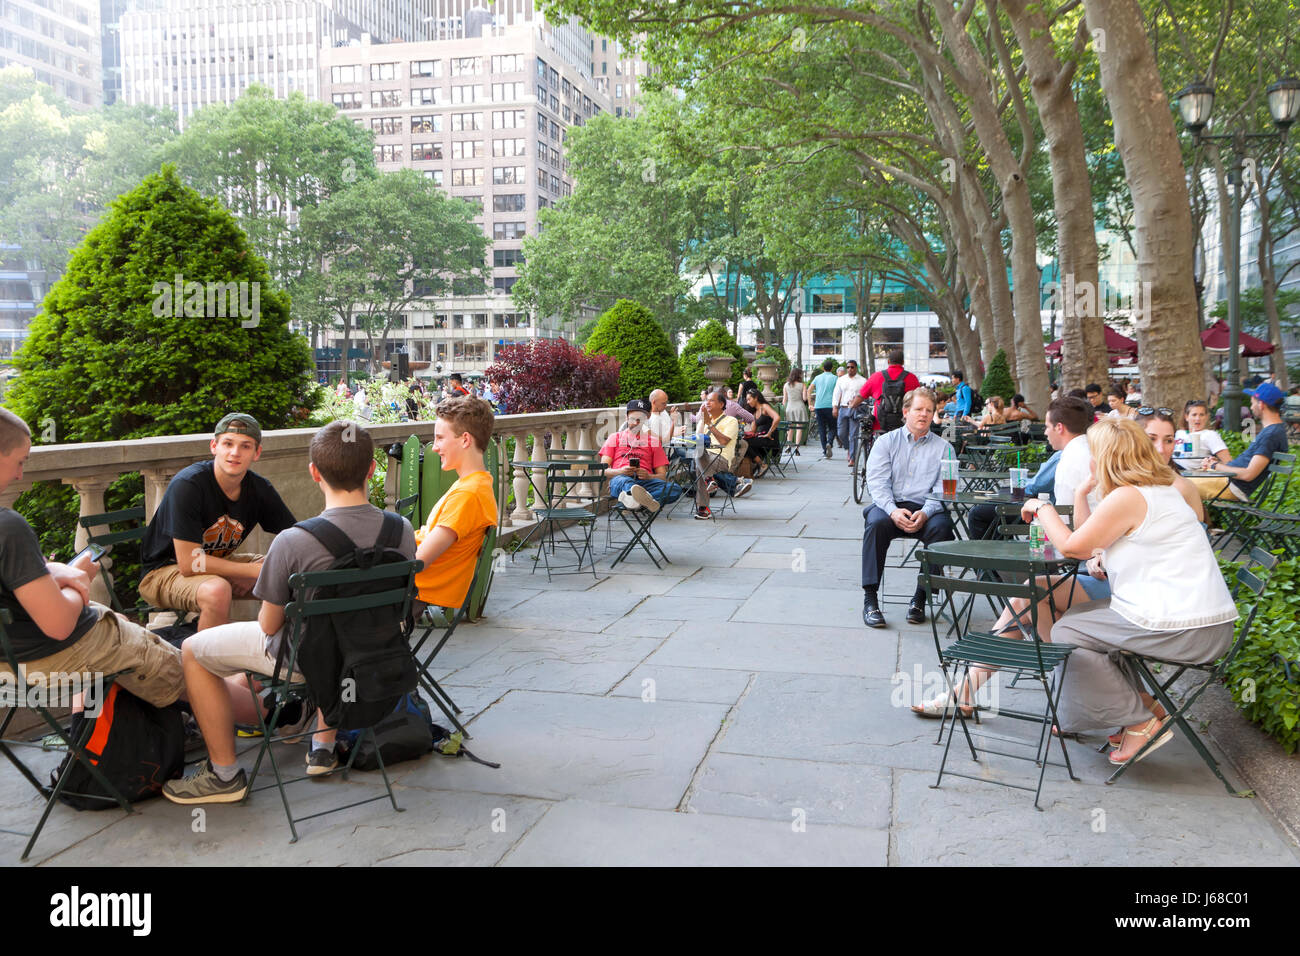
638	464
875	387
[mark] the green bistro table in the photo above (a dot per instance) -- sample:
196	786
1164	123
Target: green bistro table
958	506
986	481
993	559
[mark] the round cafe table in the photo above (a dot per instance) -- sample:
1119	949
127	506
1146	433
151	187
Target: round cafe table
958	506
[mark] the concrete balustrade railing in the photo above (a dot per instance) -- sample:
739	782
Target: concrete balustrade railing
91	467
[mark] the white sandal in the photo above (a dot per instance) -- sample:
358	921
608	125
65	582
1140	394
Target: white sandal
942	706
1147	733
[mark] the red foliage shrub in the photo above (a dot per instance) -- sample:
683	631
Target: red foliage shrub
546	375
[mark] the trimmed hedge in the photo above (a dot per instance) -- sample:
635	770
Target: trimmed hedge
712	337
997	380
629	332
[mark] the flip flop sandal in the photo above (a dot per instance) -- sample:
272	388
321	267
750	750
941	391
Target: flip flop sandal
1147	733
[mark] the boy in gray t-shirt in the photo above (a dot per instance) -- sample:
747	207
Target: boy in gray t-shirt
342	460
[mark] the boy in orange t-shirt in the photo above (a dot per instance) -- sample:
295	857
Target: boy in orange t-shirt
449	542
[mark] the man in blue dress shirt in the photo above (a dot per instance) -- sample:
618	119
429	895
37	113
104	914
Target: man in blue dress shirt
902	470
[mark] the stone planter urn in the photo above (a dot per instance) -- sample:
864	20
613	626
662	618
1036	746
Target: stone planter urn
718	369
767	372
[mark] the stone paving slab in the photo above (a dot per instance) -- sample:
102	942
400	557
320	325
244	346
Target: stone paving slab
1079	825
733	583
767	648
590	612
614	750
577	834
684	683
572	662
778	789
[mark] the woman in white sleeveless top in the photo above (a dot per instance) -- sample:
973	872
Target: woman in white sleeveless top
1168	597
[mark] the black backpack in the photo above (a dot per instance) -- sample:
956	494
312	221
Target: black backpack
976	402
357	664
408	733
138	747
890	412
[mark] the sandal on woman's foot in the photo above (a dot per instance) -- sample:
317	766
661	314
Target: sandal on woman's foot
941	706
1117	737
1146	732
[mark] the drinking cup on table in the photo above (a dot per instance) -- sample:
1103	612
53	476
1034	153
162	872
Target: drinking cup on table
948	473
1019	478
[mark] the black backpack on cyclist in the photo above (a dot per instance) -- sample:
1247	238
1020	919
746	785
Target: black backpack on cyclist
889	411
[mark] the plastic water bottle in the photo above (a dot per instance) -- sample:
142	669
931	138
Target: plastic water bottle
1037	537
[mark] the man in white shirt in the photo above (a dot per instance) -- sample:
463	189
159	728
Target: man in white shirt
1068	419
660	421
848	386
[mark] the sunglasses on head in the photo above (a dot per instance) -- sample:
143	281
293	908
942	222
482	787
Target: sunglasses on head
1147	411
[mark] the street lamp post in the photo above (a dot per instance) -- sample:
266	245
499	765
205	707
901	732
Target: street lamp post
1195	104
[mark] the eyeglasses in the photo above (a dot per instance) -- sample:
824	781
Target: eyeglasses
1146	411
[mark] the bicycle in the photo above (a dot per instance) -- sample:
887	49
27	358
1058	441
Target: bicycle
866	438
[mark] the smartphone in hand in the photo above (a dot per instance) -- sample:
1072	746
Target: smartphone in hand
95	552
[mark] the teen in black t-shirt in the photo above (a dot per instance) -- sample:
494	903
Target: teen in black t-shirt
190	559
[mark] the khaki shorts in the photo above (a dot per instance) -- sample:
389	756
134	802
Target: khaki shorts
1214	487
170	590
116	644
231	649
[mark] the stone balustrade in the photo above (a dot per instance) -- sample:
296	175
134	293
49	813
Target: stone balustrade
91	467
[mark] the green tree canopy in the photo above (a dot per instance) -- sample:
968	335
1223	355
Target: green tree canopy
113	355
629	332
712	337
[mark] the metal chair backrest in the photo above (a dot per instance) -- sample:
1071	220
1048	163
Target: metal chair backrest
134	516
565	481
1010	525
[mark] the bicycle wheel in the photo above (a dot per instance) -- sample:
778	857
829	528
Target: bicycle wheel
865	439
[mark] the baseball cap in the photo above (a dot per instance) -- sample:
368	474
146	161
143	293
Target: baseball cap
239	424
638	405
1268	393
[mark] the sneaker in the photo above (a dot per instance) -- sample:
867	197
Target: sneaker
642	498
204	786
322	760
628	501
703	514
743	486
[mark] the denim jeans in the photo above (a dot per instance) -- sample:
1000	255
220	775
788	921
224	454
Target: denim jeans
664	492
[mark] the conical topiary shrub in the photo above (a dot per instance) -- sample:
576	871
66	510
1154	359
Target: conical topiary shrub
712	337
164	321
629	332
997	380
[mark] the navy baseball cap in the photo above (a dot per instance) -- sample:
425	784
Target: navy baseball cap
638	405
1268	393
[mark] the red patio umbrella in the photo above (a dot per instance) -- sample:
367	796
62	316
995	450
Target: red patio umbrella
1216	338
1116	345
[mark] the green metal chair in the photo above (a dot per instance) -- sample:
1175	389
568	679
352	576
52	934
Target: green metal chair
434	483
446	620
130	531
1209	673
968	648
1240	519
398	582
566	506
77	748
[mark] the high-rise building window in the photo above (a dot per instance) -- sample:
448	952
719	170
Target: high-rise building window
435	175
424	152
467	149
426	96
427	123
472	176
507	258
464	94
509	230
461	122
508	147
385	99
508	175
466	66
344	101
432	68
383	71
512	63
346	74
509	202
508	119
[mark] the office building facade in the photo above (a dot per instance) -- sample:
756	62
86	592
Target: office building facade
483	115
60	41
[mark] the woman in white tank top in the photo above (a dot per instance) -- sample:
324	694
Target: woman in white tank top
1168	597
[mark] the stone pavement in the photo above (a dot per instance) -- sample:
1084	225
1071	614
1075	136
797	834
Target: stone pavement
729	708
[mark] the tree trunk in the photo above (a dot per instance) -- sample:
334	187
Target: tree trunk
1268	289
1083	347
1169	344
798	338
1030	370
